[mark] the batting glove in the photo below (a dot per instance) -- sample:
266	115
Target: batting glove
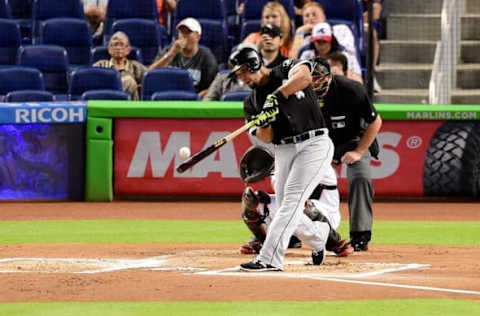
266	117
273	100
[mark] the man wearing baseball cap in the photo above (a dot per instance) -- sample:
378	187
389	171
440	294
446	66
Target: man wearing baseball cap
186	53
269	45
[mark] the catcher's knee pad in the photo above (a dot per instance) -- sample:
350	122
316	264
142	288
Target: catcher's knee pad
312	212
251	216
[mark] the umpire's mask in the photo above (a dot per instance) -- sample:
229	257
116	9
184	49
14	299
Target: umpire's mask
321	76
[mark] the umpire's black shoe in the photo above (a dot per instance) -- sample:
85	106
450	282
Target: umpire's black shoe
359	245
360	240
318	257
257	266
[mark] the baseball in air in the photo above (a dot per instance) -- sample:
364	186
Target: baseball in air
184	152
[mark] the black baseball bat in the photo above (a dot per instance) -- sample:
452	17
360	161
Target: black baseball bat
192	161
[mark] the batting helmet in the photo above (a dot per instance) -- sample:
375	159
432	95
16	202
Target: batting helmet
245	54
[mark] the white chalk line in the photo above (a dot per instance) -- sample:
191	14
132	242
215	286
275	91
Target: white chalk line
106	265
341	278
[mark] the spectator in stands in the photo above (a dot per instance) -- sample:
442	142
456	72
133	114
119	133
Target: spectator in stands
323	43
131	71
298	5
274	13
377	13
313	13
186	53
95	14
163	8
338	64
270	41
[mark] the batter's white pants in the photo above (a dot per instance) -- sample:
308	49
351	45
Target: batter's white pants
299	169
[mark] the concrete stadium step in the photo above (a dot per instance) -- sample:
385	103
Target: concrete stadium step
402	96
468	76
470	52
427	27
472	6
413	6
465	96
403	75
420	96
404	51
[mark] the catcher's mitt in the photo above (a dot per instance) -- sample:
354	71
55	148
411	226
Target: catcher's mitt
256	164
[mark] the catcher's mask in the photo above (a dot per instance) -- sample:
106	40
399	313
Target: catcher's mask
245	54
321	75
256	164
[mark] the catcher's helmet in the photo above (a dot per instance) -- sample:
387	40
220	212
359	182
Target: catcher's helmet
321	76
245	54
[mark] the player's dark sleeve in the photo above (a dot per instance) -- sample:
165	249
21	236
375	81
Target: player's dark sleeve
283	70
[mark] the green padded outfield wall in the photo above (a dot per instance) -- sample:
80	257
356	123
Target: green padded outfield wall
99	173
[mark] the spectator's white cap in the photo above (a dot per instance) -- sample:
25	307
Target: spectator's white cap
191	24
322	31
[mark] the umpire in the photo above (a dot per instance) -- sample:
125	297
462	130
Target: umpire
353	124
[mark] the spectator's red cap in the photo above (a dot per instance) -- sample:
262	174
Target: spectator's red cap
191	24
322	32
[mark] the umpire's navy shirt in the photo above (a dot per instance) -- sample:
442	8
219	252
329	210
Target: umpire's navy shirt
300	113
346	108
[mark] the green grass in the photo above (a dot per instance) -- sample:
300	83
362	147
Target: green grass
406	307
161	231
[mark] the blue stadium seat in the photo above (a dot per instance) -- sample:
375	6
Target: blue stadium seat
248	27
204	9
73	34
93	78
128	9
20	78
175	95
104	94
164	79
48	9
214	36
10	40
51	60
101	52
348	12
235	96
22	13
145	34
5	12
29	96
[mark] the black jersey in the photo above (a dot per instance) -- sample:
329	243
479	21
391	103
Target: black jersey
346	109
300	113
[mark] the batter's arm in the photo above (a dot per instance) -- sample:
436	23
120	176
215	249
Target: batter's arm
299	78
365	141
265	134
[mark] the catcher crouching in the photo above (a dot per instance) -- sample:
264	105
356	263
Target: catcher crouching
258	207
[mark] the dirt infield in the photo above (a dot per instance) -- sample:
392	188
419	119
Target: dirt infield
201	272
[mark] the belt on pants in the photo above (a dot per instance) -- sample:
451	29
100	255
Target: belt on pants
302	137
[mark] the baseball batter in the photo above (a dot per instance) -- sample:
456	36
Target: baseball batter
303	150
258	208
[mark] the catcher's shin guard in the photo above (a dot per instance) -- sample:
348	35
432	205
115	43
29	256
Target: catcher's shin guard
250	215
335	243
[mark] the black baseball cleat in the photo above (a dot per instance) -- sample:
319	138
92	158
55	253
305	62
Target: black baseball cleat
318	257
257	266
359	245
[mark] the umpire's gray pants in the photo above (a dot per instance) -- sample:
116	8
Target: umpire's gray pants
360	194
